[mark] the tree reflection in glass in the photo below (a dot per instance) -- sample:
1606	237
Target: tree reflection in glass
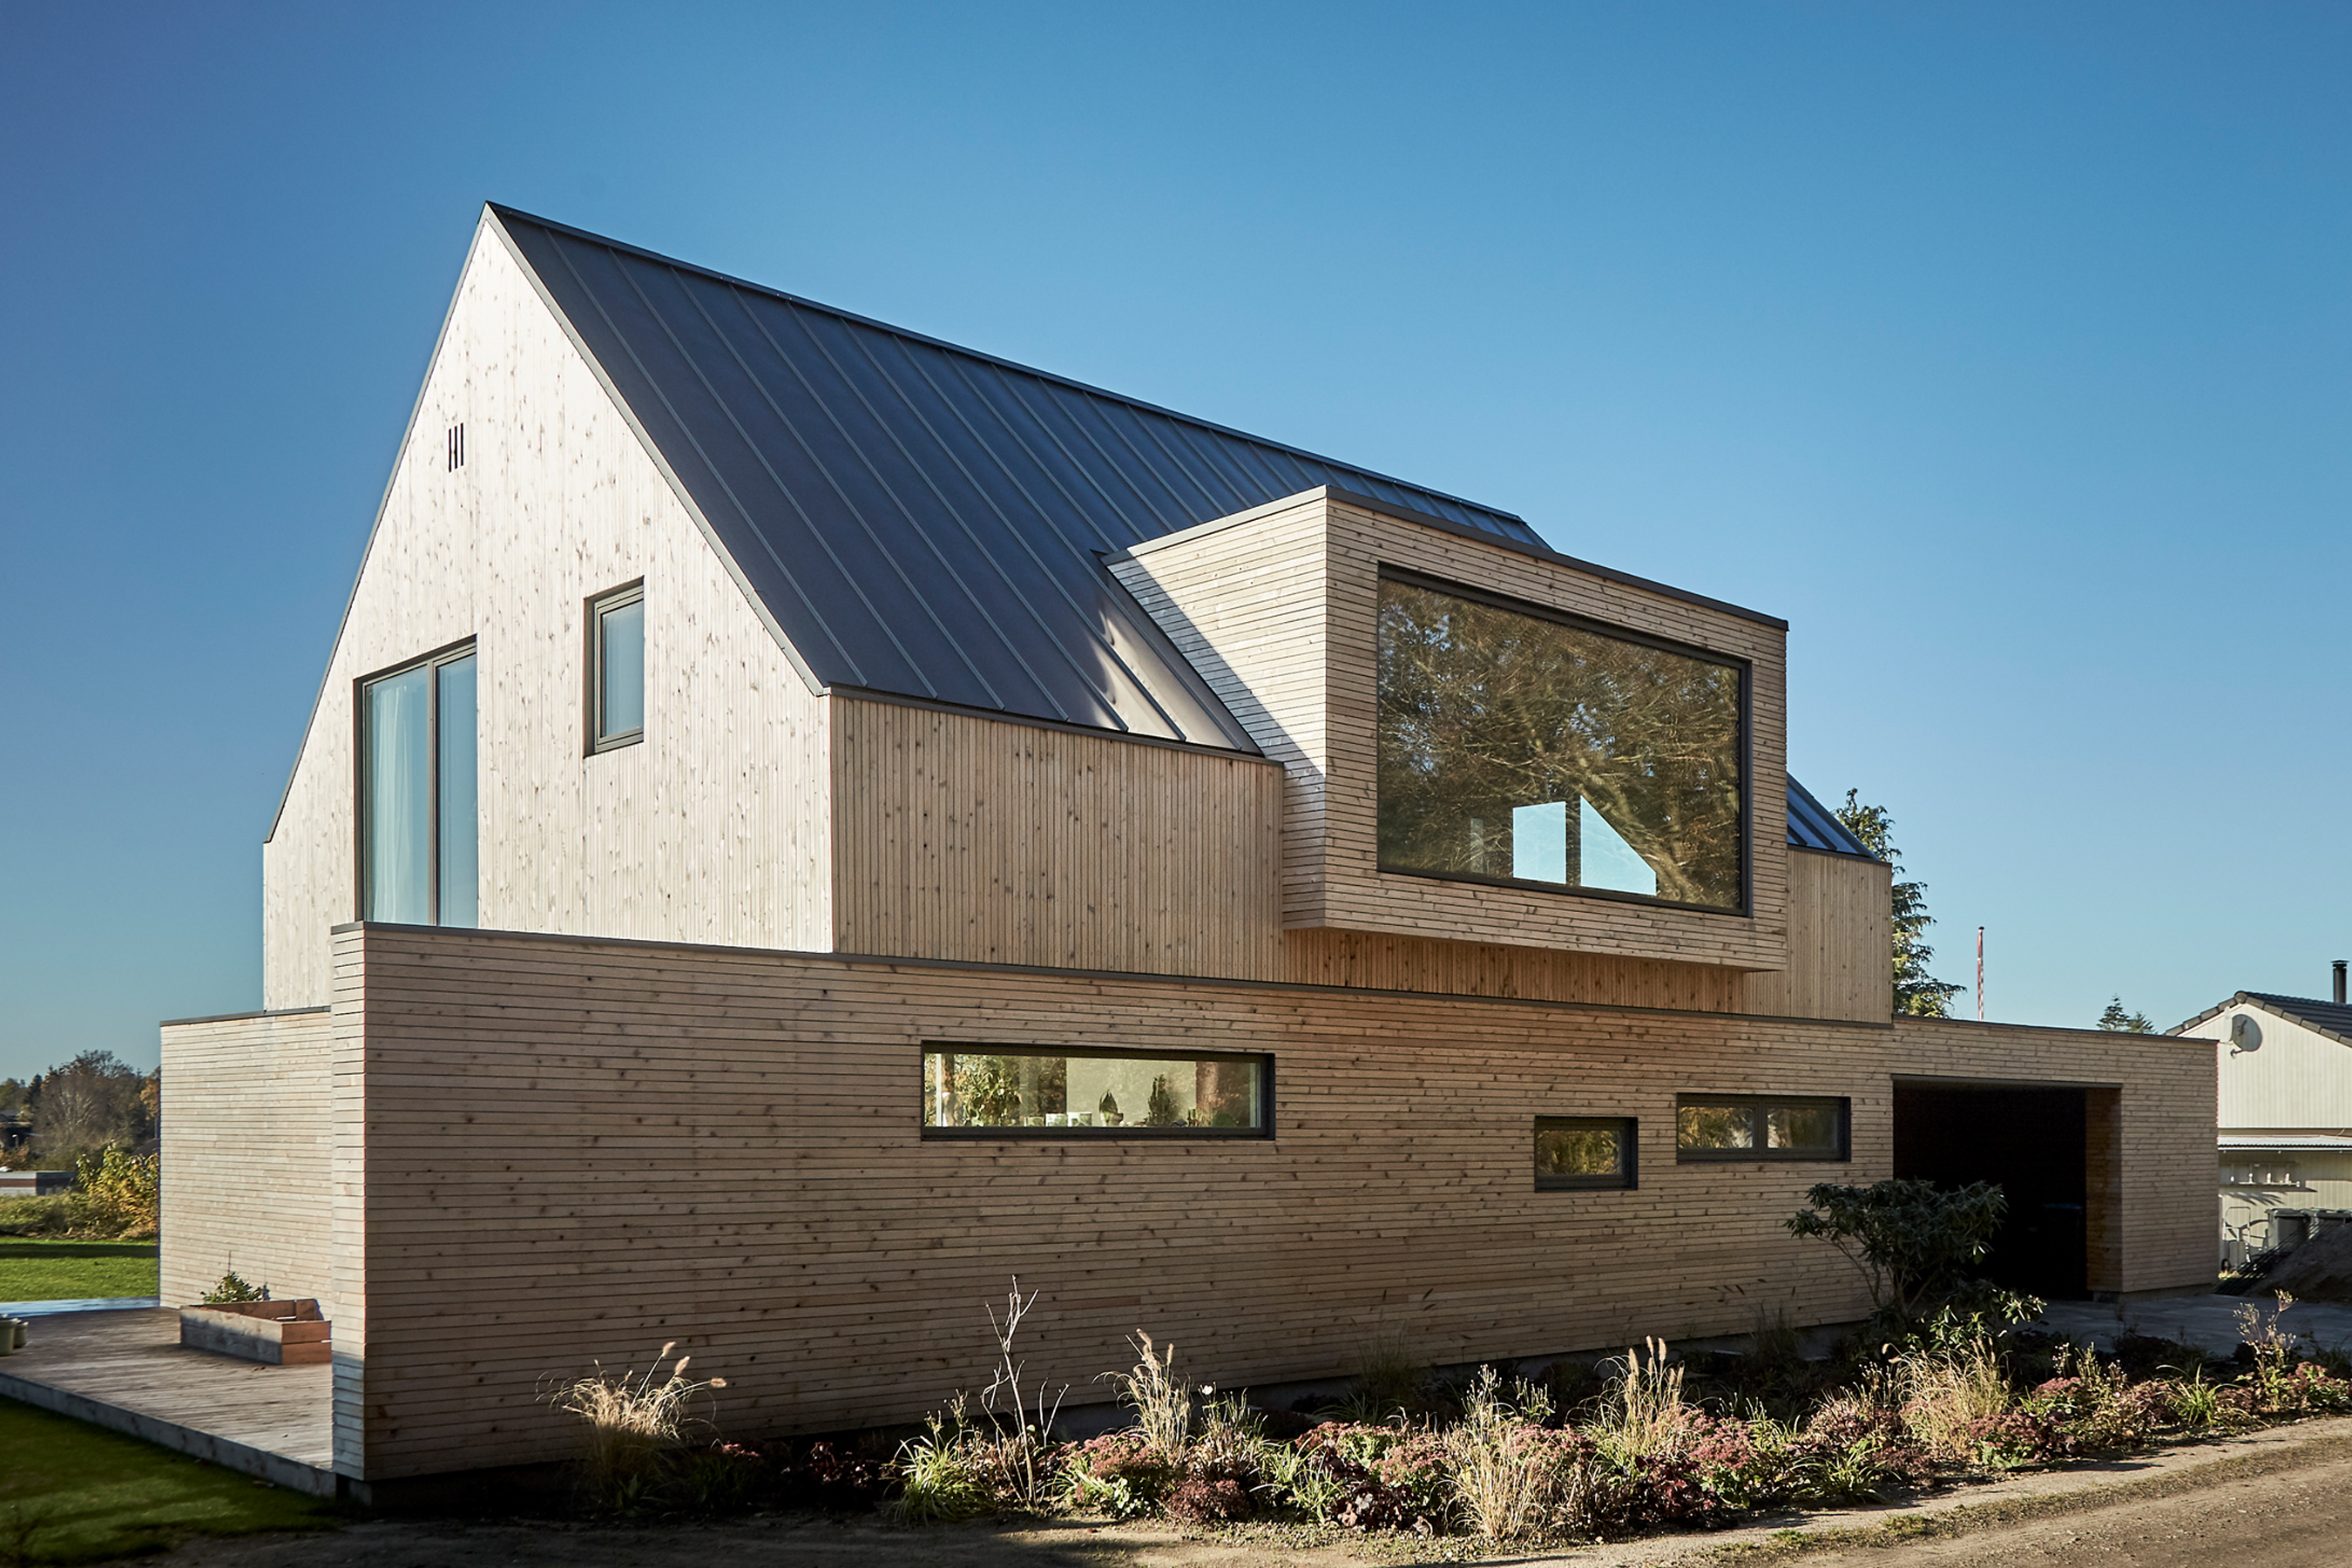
1516	747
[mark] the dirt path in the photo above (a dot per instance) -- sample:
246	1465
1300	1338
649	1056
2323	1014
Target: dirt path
2282	1498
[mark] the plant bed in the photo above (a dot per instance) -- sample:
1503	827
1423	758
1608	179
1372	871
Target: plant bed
279	1333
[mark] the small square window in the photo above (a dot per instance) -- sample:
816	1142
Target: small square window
1574	1151
1761	1127
616	668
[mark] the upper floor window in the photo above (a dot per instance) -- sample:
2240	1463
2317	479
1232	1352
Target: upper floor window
417	793
617	677
1520	747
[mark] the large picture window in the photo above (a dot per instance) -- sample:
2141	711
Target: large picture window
1021	1092
1514	747
417	793
1759	1127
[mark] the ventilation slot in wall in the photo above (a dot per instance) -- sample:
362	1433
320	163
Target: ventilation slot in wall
456	447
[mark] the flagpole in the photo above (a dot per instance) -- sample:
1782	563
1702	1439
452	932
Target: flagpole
1980	974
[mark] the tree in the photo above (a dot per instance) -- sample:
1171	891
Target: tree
92	1102
1916	992
2120	1022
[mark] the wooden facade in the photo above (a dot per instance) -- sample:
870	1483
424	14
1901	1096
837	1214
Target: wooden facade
716	828
1277	609
560	1150
670	1091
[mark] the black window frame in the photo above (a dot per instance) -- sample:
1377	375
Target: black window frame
598	607
1743	666
1629	1155
1263	1060
1841	1104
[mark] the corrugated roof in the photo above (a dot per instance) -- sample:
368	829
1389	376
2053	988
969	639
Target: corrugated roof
1812	825
919	519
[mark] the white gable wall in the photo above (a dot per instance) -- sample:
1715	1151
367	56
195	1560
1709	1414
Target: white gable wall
714	829
2298	1080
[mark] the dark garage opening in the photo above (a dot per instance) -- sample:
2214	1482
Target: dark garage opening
2033	1141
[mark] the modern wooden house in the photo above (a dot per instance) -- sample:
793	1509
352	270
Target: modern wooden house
804	823
2283	1065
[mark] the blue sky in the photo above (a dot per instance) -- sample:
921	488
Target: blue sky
2002	349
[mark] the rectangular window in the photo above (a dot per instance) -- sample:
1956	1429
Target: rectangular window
1584	1151
1023	1092
1518	747
616	659
418	770
1759	1127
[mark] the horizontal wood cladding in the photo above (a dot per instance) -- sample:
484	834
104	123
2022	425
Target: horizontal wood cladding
1384	963
1278	612
247	1130
966	837
567	1151
2149	1121
1841	942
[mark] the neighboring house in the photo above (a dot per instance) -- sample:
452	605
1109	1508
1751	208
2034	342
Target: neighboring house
2284	1114
804	823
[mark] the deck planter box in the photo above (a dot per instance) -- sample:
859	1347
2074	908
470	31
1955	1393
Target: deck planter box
282	1333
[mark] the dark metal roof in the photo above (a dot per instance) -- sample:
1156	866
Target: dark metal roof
919	519
2333	1019
1812	825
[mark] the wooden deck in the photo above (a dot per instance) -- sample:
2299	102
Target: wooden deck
125	1369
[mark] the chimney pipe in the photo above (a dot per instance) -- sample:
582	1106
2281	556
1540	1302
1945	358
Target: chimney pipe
2339	982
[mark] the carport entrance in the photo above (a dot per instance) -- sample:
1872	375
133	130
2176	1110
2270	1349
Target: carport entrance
2047	1147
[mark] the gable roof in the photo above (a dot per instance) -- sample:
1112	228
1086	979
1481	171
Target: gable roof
918	519
2333	1019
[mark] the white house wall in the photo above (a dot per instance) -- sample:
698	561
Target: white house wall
714	829
2297	1080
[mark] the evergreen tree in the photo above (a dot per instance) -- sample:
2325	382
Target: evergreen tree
1915	991
2116	1020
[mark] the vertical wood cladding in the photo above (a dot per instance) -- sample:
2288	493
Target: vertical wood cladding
246	1144
1278	612
715	828
1841	937
959	837
576	1150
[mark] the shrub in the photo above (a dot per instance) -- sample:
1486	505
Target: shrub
946	1477
234	1287
1118	1473
52	1215
118	1194
1912	1240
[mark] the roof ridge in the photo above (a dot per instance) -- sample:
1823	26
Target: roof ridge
507	213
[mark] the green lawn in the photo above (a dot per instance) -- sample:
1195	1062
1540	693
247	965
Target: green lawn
71	1492
40	1270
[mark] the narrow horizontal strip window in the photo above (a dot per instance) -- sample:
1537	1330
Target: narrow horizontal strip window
1582	1152
1761	1127
1020	1092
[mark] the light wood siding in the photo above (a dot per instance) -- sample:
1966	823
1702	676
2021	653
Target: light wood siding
1278	610
2150	1199
1841	942
576	1150
966	837
715	828
246	1146
1382	962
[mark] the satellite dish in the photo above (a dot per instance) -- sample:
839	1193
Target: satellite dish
2245	1035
